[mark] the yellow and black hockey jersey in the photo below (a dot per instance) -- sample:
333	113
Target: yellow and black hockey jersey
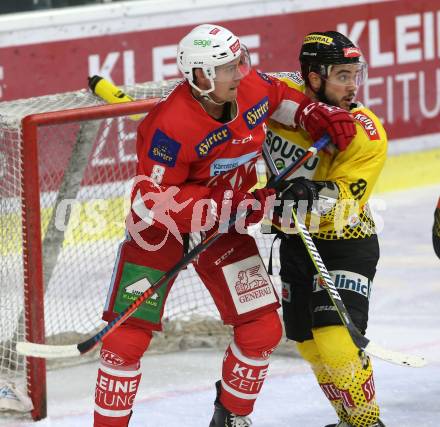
355	170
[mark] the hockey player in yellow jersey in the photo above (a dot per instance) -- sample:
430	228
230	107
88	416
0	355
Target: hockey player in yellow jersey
334	187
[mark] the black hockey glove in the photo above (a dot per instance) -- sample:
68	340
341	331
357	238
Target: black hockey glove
436	230
295	190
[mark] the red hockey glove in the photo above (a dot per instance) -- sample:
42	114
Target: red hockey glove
317	118
240	201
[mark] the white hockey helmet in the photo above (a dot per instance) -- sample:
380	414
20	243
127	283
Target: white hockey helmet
207	47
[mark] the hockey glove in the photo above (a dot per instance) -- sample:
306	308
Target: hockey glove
317	118
436	230
240	201
291	192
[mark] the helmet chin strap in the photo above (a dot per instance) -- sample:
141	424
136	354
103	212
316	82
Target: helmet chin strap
205	93
209	99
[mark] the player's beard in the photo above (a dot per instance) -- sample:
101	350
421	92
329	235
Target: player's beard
321	95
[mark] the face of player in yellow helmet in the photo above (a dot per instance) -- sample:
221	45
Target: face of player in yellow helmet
342	83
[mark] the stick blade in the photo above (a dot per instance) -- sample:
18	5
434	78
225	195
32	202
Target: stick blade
47	351
395	357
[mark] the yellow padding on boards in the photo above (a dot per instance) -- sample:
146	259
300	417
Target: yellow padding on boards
355	383
90	221
93	220
409	170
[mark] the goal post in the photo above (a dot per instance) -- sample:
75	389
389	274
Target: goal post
67	162
33	279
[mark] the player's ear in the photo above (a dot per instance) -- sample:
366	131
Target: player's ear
315	81
199	76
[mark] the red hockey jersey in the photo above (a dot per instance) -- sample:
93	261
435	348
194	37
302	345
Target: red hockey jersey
182	151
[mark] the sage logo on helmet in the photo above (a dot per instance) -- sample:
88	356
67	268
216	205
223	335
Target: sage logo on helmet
202	43
322	50
216	51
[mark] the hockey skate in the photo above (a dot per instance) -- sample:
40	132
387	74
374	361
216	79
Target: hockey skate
223	418
379	423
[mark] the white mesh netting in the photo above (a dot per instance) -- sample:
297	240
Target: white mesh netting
85	170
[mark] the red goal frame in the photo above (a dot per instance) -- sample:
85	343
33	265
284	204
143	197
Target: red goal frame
32	235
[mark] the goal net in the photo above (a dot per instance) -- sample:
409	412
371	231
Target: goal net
66	163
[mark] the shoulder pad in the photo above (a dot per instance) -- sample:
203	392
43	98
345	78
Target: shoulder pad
265	76
294	76
293	79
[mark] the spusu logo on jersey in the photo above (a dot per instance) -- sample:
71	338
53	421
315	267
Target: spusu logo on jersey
285	152
256	114
214	138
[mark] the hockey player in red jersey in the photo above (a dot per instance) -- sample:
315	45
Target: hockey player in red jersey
196	155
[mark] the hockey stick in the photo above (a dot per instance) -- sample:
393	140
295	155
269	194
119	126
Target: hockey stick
71	350
362	342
